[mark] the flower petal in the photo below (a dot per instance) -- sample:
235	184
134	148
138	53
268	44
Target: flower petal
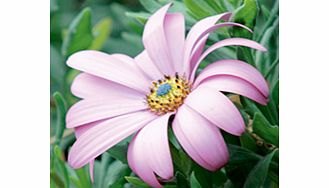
200	139
235	68
199	47
174	26
111	68
147	66
139	165
236	85
197	33
150	149
90	110
78	132
155	41
217	108
227	42
88	86
105	135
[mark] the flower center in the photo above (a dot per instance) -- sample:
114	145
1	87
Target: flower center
168	94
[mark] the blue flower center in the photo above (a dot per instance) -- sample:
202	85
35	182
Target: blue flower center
163	89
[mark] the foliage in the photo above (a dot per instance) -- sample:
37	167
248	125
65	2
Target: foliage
116	27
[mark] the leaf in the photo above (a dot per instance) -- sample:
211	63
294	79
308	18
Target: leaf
56	179
199	9
182	162
270	41
265	130
258	174
101	32
240	164
101	171
119	152
53	6
61	111
84	179
275	93
203	176
239	155
115	174
141	17
181	180
57	70
136	181
79	35
273	16
150	5
248	142
59	157
194	183
246	15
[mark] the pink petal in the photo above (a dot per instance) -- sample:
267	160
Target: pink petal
235	68
227	42
199	47
174	26
200	139
89	86
194	36
78	132
155	41
91	169
90	110
105	135
236	85
149	152
147	66
217	108
111	68
139	165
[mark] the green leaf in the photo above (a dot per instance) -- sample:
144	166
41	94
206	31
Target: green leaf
258	174
79	35
219	178
59	157
150	5
101	171
203	176
275	93
248	142
239	155
53	6
194	183
181	180
141	17
199	9
57	70
265	130
246	14
273	16
240	164
56	180
101	32
182	162
115	174
119	152
83	177
136	181
270	41
61	111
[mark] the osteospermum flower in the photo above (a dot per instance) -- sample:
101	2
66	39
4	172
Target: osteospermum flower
123	95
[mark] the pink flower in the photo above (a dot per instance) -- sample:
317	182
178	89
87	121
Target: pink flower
121	96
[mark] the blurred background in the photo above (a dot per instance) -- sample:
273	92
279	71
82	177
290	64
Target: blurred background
116	26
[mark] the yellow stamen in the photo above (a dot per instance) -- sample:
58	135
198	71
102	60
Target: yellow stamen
168	94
